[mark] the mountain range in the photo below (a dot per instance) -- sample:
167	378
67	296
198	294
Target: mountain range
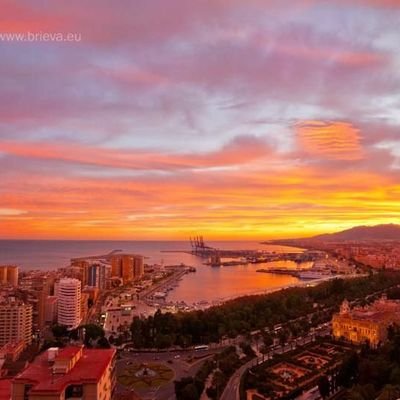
357	233
377	232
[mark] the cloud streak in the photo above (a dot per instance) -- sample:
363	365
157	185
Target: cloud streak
333	140
241	150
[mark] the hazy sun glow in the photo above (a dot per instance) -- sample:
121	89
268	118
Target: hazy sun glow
230	119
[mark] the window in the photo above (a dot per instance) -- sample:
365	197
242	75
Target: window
73	391
27	388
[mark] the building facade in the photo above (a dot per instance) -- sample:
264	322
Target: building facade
12	350
36	288
9	275
129	267
51	310
366	324
97	276
15	321
138	267
68	294
70	373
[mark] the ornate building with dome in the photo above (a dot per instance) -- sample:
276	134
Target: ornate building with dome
366	324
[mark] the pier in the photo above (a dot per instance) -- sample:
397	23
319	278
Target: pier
177	275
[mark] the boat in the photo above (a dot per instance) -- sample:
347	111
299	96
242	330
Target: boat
309	275
160	295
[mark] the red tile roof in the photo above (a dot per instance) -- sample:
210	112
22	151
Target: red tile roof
88	369
68	352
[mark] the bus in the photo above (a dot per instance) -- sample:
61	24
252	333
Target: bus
201	347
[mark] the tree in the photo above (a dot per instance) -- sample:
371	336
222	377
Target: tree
211	392
337	286
323	386
59	331
268	339
74	334
389	392
186	389
229	363
190	392
359	392
246	348
163	341
119	340
283	337
395	376
93	331
103	343
348	370
137	330
218	382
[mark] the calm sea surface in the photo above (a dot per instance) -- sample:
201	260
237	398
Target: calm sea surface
207	283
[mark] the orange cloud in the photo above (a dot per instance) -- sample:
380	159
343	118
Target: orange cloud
332	140
241	150
220	204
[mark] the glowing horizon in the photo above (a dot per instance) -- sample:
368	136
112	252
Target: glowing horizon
229	119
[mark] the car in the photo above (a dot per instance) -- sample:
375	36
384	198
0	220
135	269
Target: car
177	356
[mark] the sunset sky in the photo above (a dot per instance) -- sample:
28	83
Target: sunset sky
234	119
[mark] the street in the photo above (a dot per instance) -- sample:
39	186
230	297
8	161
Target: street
231	391
175	360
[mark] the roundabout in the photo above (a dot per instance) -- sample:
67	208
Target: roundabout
145	376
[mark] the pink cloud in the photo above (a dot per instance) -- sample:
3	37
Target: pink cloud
241	150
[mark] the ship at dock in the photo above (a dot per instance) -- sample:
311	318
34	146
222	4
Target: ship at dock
301	274
310	275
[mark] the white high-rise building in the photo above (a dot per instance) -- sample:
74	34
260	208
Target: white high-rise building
68	292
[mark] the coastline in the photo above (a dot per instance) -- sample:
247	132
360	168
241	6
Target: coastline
203	304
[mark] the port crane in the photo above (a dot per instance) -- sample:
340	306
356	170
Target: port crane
199	247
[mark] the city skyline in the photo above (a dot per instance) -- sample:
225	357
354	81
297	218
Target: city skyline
236	119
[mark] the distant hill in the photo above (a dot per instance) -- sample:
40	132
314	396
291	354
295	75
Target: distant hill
377	232
358	233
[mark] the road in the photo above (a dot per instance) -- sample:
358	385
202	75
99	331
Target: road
231	391
95	311
176	360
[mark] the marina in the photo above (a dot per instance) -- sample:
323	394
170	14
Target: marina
235	275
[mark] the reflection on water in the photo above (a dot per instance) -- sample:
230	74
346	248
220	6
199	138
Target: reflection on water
216	283
207	283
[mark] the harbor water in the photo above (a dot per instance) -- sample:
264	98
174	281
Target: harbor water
208	284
